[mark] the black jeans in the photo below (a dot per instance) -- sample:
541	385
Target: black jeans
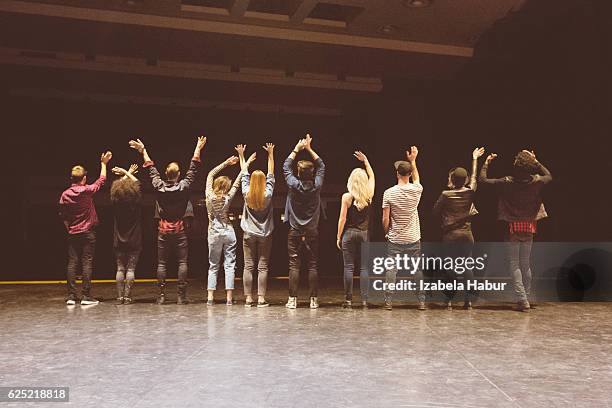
519	255
303	245
352	240
412	250
81	247
166	245
459	244
256	256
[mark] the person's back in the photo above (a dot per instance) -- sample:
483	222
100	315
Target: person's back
403	200
521	199
77	206
304	203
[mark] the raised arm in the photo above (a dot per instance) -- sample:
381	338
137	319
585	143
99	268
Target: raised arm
344	205
269	147
97	185
194	165
290	178
484	170
119	171
371	181
156	180
476	154
411	155
544	176
320	171
230	161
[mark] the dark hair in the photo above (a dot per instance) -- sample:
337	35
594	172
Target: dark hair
524	165
305	170
125	191
458	176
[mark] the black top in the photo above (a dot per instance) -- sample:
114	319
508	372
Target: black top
456	208
519	200
172	202
128	228
357	219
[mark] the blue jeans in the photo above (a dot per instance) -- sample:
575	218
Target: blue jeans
352	240
221	241
519	256
412	250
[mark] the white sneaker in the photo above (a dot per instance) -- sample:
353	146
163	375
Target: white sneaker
71	302
291	303
89	301
314	303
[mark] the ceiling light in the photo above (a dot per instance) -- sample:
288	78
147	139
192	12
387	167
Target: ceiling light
416	3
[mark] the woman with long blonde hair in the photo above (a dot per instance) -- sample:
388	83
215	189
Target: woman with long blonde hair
221	235
257	223
353	225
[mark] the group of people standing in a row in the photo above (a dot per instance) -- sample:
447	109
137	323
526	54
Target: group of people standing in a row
520	205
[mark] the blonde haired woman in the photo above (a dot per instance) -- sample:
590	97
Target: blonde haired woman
257	223
221	235
353	225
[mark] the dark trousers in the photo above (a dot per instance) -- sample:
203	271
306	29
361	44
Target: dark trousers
351	254
256	256
166	245
126	268
412	250
519	255
459	244
303	245
81	248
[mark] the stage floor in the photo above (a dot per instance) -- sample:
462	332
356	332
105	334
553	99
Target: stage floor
145	355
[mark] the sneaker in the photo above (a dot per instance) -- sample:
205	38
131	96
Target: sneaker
314	303
161	299
89	301
347	304
263	304
291	302
388	305
248	303
422	306
181	300
210	303
467	305
119	301
229	303
364	304
523	306
449	305
71	300
128	301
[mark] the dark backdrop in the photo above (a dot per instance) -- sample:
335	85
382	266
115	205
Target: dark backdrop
540	79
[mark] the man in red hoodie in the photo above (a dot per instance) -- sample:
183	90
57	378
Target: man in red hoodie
78	213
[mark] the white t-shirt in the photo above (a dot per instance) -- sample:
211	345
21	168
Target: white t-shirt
403	200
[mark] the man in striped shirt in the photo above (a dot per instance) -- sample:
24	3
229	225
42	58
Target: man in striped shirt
401	220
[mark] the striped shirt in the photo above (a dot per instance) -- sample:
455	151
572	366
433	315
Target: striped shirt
402	201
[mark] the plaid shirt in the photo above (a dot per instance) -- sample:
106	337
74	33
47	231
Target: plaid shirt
170	227
522	226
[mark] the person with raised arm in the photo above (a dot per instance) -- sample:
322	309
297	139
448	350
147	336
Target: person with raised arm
220	192
302	212
353	224
127	235
172	209
455	207
257	224
78	213
400	220
520	205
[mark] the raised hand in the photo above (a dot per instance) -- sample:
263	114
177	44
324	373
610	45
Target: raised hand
491	157
478	152
230	161
133	169
308	141
201	142
240	149
412	154
105	157
137	145
530	152
301	144
119	171
269	147
360	156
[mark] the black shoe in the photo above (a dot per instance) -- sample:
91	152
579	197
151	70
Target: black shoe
210	303
119	301
181	300
422	306
128	301
71	300
347	304
263	304
449	305
467	305
248	303
388	305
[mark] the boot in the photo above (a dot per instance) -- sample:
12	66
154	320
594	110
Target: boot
120	292
182	294
161	298
127	293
